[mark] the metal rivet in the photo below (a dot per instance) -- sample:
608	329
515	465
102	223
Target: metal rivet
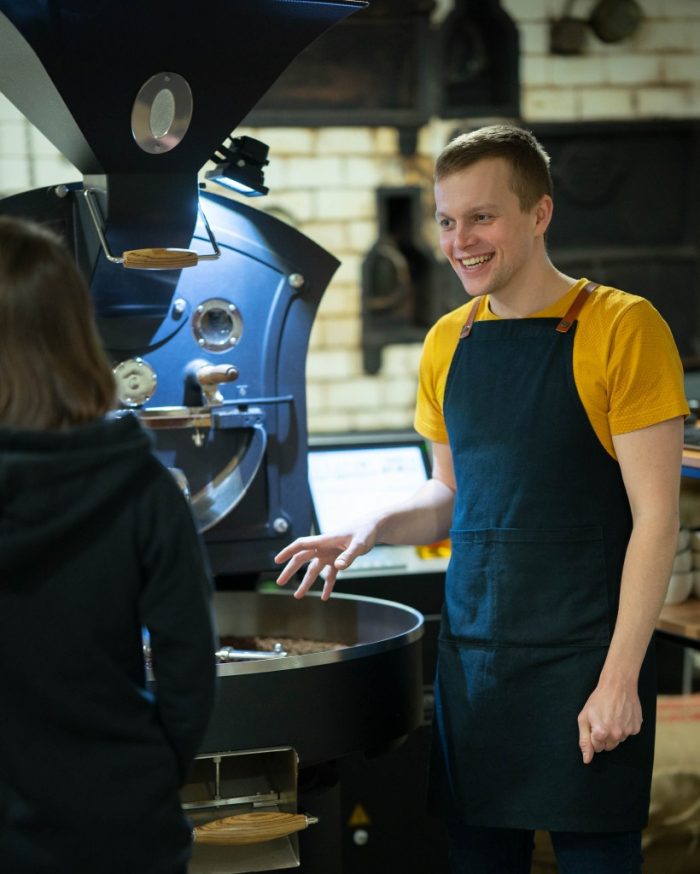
179	306
281	525
296	280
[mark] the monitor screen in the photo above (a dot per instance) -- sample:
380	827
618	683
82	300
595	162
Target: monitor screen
349	481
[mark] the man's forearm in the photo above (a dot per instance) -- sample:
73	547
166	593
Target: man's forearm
425	518
645	577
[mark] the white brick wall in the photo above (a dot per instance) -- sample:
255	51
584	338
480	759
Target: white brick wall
324	180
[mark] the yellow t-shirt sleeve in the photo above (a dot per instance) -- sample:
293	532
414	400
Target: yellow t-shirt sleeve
438	350
429	420
645	374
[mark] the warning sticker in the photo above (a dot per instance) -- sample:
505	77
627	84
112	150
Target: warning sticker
358	817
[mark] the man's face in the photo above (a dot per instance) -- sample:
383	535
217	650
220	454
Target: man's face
486	237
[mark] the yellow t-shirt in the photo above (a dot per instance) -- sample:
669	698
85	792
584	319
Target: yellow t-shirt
626	366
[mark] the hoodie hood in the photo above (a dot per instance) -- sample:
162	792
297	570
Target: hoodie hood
52	483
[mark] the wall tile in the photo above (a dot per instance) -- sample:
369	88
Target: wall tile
339	203
531	10
386	141
358	393
400	392
548	104
317	338
676	102
362	235
336	364
401	359
634	69
323	422
299	205
14	175
605	102
53	171
13	138
346	141
342	333
534	37
573	71
350	269
40	144
8	111
331	235
669	36
680	8
382	419
287	140
313	172
680	68
536	71
341	298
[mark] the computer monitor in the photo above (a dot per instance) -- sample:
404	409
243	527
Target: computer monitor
350	480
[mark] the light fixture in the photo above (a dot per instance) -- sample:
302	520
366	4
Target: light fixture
239	166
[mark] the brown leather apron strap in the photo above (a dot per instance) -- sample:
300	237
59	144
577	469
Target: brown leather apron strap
566	322
467	326
571	314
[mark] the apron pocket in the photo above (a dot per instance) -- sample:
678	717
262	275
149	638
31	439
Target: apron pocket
523	587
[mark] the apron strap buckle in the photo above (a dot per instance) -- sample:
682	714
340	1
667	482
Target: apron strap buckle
571	314
467	326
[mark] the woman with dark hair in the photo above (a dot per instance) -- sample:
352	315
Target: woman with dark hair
97	543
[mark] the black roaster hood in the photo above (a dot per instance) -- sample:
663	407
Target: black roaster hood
73	68
76	68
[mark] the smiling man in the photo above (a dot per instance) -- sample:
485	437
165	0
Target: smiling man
555	410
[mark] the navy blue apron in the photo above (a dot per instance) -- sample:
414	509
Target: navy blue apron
540	529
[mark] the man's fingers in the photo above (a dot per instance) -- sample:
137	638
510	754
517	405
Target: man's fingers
301	544
328	584
310	577
318	553
293	566
585	745
599	738
348	556
604	740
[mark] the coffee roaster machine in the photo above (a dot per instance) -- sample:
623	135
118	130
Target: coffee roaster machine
205	306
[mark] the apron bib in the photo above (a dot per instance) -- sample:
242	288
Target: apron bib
540	529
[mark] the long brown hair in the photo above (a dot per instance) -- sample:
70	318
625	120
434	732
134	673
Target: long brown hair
53	370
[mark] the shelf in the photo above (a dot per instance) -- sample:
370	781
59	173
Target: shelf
691	463
682	620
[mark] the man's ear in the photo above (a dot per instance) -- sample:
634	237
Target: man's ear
543	211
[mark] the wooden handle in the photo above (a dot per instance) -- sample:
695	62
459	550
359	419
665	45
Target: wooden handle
251	828
160	259
214	374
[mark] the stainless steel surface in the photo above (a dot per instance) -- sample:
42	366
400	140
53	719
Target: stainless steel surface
229	487
231	654
366	626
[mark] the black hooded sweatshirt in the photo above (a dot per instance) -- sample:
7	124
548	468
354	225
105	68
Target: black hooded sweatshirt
97	542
